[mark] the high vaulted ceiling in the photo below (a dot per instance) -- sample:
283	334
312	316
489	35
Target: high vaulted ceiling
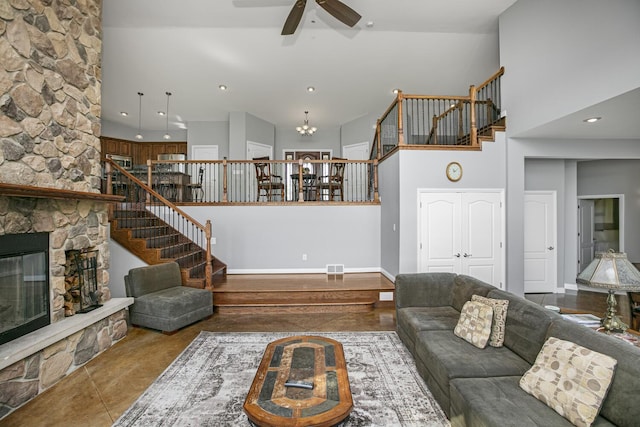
190	47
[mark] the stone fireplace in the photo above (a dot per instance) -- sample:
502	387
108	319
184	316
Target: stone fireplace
50	180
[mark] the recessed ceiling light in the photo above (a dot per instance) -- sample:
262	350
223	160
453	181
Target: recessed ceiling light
161	113
592	119
370	24
223	87
124	113
395	91
311	89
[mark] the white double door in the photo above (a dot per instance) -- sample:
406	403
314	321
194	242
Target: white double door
462	233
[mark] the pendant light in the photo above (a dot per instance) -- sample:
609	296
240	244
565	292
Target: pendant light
166	133
139	135
305	129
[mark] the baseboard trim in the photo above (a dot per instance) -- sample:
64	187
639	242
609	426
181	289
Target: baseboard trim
300	270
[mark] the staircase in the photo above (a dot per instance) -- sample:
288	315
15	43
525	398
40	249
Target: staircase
155	241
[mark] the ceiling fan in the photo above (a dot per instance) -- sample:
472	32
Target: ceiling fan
336	8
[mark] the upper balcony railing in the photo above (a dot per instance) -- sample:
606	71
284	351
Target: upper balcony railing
257	181
422	120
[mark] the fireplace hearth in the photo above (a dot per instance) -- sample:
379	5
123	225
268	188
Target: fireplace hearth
24	284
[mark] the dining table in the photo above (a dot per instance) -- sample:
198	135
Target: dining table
308	186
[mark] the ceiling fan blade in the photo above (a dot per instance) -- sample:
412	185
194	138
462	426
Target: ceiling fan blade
294	17
340	11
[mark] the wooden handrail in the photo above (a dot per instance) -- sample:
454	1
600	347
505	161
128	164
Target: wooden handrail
206	229
497	74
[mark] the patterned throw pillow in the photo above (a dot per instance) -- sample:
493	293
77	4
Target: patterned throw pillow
499	318
474	324
570	379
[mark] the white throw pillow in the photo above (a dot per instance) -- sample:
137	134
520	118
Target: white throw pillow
570	379
474	324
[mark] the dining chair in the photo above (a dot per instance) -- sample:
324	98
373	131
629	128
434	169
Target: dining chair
196	187
330	184
267	183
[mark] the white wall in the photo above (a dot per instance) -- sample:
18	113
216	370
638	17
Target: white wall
563	56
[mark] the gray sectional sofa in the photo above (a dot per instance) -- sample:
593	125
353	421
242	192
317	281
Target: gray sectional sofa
480	387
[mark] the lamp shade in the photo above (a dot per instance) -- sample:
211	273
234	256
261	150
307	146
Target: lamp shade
611	270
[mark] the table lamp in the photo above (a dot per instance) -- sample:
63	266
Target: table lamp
612	271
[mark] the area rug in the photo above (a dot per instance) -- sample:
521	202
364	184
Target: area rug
207	384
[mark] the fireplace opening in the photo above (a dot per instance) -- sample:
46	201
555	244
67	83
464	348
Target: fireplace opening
81	282
24	284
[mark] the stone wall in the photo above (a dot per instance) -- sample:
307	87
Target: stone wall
22	381
50	53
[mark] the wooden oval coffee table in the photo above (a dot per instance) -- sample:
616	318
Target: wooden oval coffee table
301	381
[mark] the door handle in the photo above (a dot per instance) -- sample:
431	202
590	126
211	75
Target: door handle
457	255
466	255
550	248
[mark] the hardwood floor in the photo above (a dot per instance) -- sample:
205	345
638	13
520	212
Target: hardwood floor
99	392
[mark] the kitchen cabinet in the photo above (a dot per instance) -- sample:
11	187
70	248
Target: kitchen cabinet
140	151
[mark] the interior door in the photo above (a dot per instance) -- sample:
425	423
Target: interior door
586	236
540	236
440	240
481	236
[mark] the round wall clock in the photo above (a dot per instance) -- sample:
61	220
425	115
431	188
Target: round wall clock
454	171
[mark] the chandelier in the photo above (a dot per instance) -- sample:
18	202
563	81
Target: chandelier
305	129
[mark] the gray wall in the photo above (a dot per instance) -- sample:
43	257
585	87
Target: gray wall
270	239
209	133
323	139
426	170
557	53
389	182
547	48
245	127
616	177
359	130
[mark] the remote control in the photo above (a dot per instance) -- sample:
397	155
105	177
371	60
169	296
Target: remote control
299	384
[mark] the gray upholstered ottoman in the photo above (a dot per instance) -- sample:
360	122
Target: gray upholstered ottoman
160	300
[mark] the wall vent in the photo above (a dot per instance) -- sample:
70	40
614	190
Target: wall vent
335	269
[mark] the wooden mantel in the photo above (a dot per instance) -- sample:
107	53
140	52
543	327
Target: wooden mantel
17	190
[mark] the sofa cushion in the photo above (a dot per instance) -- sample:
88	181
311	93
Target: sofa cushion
526	325
464	287
621	404
499	401
416	319
424	289
172	302
499	318
474	325
445	357
152	278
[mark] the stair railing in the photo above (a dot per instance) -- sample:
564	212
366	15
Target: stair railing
438	120
145	196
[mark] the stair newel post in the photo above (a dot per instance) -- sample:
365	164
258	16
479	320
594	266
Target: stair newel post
376	195
400	125
149	179
300	183
224	180
474	128
209	267
109	189
378	138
